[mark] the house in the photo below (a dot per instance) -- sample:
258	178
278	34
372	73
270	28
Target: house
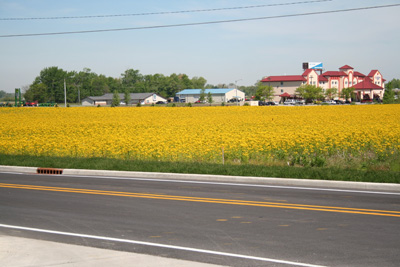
372	85
219	95
142	98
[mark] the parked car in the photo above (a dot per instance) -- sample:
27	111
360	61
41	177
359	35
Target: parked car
329	102
339	102
366	101
233	100
161	103
300	102
289	102
199	102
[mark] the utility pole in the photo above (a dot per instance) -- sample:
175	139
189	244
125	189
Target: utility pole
65	94
237	99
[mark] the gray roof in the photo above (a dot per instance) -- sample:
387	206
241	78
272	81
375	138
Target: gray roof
109	96
212	91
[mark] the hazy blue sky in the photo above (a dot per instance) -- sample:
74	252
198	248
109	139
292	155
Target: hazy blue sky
221	53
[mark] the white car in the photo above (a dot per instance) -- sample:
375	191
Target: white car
330	102
289	102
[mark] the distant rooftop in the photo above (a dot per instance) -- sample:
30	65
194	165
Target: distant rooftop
212	91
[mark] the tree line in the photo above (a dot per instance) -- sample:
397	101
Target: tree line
48	86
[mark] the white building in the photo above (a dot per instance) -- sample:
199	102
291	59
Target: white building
219	95
142	98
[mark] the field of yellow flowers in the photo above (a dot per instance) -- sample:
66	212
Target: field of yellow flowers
261	135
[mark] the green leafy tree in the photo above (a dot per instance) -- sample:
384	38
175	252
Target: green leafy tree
347	93
310	92
202	95
198	82
395	83
331	93
388	97
264	92
37	92
209	98
99	85
249	90
116	99
131	79
127	97
53	79
4	96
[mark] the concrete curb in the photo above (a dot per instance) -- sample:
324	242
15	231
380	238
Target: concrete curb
219	178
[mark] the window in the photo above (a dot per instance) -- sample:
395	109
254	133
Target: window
281	83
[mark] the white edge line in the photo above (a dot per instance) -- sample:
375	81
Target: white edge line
158	245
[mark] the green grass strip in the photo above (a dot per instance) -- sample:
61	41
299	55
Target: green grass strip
338	174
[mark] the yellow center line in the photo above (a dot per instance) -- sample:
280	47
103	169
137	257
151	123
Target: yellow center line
207	200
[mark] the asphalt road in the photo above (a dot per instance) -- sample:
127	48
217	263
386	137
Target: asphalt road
235	225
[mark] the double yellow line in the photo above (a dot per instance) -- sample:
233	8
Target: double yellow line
207	200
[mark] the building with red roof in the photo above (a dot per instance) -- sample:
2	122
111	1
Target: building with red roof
366	87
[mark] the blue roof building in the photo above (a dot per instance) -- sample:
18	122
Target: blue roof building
218	95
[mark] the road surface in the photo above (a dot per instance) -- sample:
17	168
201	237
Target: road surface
223	224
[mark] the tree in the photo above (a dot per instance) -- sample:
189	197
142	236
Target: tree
331	93
264	92
53	80
6	96
209	98
198	82
2	93
310	92
249	90
127	97
395	83
388	97
36	92
115	100
347	93
202	95
130	79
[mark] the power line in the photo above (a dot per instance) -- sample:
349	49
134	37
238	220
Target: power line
168	12
202	23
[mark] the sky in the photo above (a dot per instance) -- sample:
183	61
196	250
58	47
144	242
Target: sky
241	52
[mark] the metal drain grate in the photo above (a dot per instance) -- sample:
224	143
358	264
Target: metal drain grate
49	171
